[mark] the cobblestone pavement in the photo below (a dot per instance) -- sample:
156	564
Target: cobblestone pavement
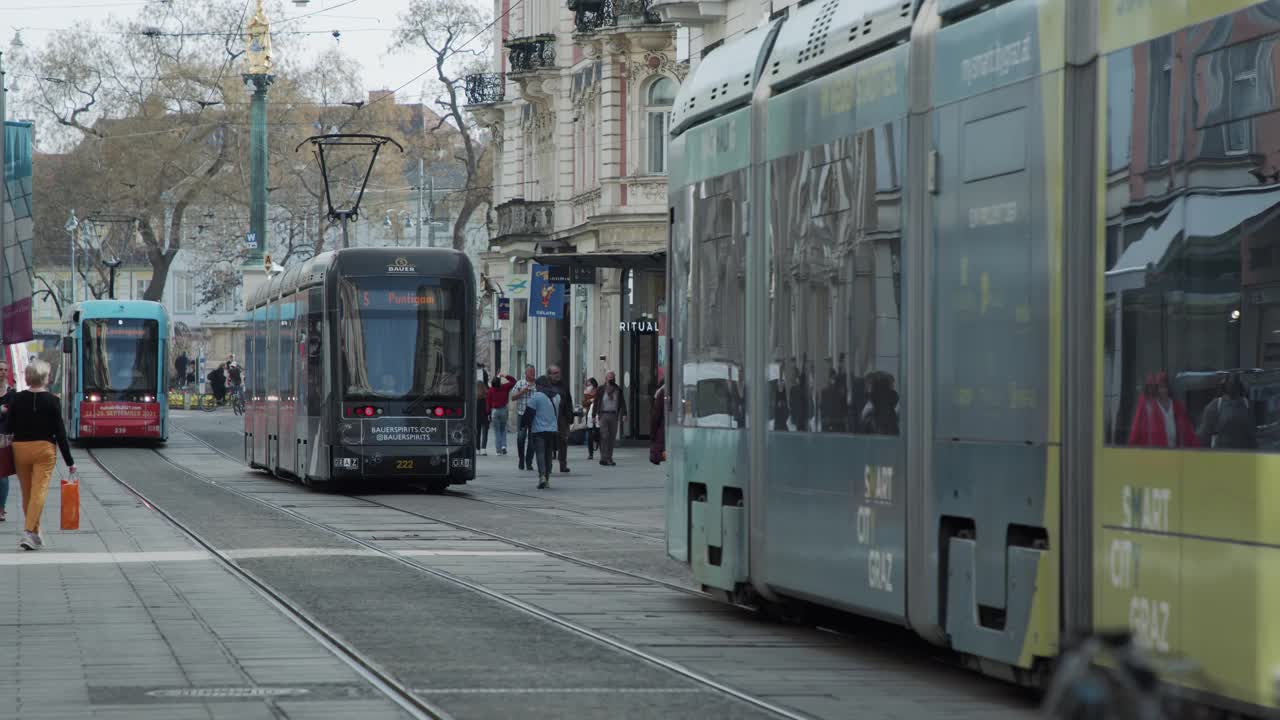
613	517
128	618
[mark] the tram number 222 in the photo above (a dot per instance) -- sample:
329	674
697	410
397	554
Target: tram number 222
404	464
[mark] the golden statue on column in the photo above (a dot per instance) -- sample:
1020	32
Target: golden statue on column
258	31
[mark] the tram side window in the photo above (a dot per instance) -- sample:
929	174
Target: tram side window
710	265
315	344
835	286
1192	309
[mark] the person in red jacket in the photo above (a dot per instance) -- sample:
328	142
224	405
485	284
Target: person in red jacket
1161	420
498	397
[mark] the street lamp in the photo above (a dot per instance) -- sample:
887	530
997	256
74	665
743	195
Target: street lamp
113	261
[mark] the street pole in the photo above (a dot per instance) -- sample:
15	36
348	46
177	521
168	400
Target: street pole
258	168
259	75
431	216
417	228
73	230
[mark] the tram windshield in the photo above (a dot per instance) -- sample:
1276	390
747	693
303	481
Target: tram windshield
120	356
401	337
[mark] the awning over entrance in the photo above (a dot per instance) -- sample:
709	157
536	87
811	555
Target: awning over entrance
656	261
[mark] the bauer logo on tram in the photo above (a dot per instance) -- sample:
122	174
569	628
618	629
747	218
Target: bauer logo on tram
356	369
114	373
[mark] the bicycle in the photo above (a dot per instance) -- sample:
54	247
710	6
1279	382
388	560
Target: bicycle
1106	676
237	399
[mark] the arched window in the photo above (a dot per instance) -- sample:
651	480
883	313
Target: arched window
659	98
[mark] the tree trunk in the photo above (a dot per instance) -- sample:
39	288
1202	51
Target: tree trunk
160	260
468	208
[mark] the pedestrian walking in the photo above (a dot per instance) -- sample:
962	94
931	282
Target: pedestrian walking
565	414
524	441
611	410
7	393
482	417
545	403
589	394
180	365
36	420
658	422
499	396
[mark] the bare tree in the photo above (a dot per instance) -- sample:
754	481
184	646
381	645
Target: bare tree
157	105
455	34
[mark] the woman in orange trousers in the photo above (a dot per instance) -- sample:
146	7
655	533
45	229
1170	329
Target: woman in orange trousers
36	420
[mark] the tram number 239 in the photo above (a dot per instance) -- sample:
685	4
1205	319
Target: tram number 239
404	464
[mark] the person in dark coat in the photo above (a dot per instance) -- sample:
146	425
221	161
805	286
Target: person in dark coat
7	393
565	416
658	422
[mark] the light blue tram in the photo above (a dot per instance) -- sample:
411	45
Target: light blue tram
933	270
115	378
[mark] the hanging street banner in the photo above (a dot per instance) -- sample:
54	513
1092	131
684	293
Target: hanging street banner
504	308
16	233
546	298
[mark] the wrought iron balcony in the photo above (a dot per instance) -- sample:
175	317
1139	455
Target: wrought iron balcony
594	15
485	88
520	219
528	54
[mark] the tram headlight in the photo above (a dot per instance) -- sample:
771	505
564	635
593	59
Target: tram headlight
95	398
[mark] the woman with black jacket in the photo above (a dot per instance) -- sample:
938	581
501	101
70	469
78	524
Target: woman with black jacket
6	399
36	419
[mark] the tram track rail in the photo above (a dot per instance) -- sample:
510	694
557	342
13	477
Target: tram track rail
833	624
380	677
492	535
368	670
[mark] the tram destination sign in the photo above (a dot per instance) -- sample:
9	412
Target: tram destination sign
404	431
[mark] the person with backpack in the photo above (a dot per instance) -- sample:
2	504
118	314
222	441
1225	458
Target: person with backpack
544	405
1228	421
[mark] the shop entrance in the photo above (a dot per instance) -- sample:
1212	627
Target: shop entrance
643	293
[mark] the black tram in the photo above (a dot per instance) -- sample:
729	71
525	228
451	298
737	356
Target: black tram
358	369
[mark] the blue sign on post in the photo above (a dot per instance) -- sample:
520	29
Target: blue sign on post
251	241
546	298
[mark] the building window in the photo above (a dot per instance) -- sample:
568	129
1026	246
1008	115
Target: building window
1242	98
183	293
141	289
1161	99
658	101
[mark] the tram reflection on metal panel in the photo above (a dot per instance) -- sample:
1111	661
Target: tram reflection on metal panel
115	362
357	369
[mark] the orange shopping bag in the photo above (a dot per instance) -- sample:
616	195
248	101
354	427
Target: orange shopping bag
71	503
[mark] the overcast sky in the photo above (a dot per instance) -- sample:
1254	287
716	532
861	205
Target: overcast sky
366	27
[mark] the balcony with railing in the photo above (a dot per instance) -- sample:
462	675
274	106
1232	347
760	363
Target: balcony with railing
531	54
485	88
591	16
521	219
